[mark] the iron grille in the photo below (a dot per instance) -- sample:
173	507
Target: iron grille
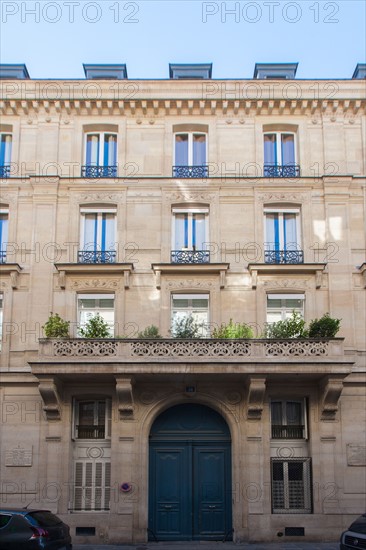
190	256
278	171
287	432
190	171
291	486
99	171
294	532
91	432
283	256
4	172
2	256
97	256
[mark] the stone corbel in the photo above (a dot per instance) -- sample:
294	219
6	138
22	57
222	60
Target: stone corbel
222	278
256	391
50	396
62	279
158	278
14	279
331	392
125	396
254	278
318	278
126	276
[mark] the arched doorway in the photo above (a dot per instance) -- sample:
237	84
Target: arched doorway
190	475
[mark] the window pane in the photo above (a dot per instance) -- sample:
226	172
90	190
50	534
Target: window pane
289	232
198	231
270	149
92	149
181	231
106	303
200	303
5	149
110	150
293	413
101	413
90	231
86	413
272	232
199	150
3	231
288	149
277	471
180	303
107	236
181	150
276	413
273	303
85	303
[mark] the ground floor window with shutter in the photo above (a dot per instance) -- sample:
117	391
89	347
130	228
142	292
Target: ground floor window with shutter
291	486
92	484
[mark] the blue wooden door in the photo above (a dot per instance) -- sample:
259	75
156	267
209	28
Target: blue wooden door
190	478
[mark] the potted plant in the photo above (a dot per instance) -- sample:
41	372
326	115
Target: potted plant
56	327
325	327
95	327
232	330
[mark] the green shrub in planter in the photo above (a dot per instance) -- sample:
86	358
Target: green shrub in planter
232	330
187	327
325	327
56	327
294	327
149	332
95	327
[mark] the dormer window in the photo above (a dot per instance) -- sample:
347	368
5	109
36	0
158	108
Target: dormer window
360	71
13	72
198	71
277	71
105	72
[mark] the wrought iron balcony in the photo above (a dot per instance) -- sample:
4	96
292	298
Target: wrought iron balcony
4	172
2	256
99	171
90	432
285	171
190	257
287	432
97	256
283	256
190	171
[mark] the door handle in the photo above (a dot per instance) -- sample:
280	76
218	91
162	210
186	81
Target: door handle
212	507
167	507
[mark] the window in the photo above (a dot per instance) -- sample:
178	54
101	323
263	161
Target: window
288	419
98	241
100	155
190	230
5	154
3	235
89	305
282	236
191	305
190	156
92	419
280	155
92	485
281	306
1	320
291	486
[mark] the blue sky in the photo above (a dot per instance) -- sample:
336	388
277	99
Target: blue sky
54	38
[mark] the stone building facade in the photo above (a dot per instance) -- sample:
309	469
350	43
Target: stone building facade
153	201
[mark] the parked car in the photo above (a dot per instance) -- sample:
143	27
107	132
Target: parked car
22	529
355	536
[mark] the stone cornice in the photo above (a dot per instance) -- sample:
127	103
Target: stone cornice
191	269
94	269
285	269
11	270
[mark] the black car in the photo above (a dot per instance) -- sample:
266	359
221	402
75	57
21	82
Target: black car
22	529
355	536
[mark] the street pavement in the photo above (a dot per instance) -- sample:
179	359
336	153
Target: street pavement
214	546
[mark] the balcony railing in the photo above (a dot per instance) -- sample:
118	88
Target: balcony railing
2	256
190	257
283	256
97	256
285	171
4	172
287	432
99	171
190	171
90	432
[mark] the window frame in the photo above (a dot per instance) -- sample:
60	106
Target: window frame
283	310
281	243
190	134
304	416
279	134
189	296
4	243
190	212
93	296
307	486
4	162
99	211
101	134
76	417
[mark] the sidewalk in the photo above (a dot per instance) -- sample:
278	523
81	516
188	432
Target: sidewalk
215	546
